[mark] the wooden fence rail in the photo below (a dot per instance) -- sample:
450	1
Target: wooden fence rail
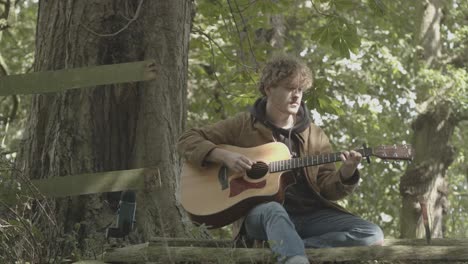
90	183
61	80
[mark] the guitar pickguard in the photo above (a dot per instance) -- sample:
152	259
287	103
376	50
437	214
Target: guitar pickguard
238	185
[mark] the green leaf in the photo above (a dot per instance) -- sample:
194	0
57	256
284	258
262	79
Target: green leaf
318	34
322	102
336	106
340	45
351	37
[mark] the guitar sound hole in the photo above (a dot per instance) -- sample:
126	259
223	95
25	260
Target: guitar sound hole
259	169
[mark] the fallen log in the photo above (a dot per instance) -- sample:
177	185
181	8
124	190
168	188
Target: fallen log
155	251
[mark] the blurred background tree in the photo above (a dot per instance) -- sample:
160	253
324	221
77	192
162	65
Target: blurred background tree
17	36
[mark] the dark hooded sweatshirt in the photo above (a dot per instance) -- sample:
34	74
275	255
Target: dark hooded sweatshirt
299	198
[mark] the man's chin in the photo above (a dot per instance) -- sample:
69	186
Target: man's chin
294	107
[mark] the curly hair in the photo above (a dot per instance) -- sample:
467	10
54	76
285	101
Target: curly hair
281	67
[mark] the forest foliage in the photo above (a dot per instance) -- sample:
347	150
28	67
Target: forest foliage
369	83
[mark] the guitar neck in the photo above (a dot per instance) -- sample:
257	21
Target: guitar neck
284	165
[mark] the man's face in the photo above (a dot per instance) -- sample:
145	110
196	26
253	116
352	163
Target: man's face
286	96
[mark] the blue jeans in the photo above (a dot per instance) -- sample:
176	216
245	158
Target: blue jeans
289	235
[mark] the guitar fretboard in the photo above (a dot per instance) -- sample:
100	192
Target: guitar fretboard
290	164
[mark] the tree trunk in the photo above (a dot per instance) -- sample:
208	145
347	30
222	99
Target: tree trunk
428	34
111	127
425	178
278	31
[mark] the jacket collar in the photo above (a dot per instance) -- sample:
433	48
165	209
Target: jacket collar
300	129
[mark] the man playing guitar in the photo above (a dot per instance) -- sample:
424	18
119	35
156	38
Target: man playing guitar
308	217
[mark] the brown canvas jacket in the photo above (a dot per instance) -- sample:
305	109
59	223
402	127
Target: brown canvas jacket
243	130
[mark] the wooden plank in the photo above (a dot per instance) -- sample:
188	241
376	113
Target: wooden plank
187	242
423	242
191	242
61	80
147	252
402	253
89	262
111	181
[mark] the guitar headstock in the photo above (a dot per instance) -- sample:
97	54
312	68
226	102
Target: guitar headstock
394	152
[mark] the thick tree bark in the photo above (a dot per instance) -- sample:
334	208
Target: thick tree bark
433	128
425	178
428	34
111	127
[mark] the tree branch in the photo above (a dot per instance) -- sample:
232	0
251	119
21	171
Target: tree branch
213	74
244	24
458	60
6	10
4	16
14	109
199	31
235	24
3	67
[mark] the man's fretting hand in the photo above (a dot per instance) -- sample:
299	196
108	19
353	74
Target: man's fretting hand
234	161
351	160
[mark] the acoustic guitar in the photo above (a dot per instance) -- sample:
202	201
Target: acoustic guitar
214	196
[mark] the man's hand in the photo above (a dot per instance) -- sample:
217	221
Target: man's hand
350	160
234	161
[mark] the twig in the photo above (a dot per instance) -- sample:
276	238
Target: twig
216	76
248	38
199	31
214	72
26	226
248	5
235	24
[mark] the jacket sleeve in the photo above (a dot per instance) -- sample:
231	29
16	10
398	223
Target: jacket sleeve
329	178
196	143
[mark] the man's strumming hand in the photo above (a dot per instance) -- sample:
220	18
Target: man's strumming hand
351	160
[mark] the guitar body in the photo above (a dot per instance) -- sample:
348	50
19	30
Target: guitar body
216	201
216	197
